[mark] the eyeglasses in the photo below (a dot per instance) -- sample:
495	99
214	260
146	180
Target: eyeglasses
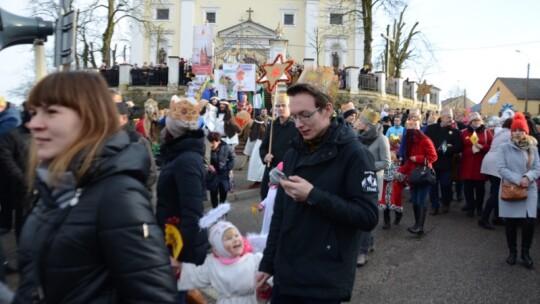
304	117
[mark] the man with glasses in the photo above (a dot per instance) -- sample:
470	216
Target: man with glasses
327	196
447	142
283	131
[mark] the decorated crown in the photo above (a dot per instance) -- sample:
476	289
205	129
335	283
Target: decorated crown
322	78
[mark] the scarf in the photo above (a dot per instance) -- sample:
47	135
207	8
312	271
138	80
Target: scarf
60	194
526	143
368	137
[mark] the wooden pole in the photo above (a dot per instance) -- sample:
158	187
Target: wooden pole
274	102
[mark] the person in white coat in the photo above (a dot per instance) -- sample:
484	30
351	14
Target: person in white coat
518	163
230	269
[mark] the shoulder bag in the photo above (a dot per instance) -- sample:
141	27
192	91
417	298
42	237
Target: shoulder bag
423	175
513	193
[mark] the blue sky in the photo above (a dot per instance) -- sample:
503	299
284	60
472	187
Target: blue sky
474	42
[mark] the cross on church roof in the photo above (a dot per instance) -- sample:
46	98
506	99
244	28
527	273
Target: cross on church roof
249	11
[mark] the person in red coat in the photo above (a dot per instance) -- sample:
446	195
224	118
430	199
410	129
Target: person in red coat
418	149
476	141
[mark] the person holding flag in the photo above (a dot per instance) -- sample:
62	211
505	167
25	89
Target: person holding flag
476	141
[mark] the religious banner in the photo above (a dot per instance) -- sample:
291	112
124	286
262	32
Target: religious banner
203	52
234	78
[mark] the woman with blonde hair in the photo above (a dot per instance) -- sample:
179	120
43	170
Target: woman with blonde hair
92	236
517	163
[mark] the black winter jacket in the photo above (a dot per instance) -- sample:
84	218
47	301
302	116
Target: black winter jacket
181	190
14	146
281	140
452	138
312	246
103	248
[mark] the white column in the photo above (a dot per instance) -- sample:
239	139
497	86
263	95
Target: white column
187	20
278	46
174	70
124	77
353	79
312	19
381	83
399	87
358	38
414	88
137	39
309	62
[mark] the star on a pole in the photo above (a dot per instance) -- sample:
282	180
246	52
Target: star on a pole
424	88
275	72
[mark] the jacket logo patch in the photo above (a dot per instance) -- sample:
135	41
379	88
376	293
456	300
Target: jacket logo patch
369	182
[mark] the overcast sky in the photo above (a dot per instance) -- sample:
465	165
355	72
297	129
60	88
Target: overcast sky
474	42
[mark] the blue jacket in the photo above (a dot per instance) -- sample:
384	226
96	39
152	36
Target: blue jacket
312	246
9	119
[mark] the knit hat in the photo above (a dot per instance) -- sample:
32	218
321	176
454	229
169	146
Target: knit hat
224	101
446	111
519	123
349	113
183	115
370	117
215	237
474	115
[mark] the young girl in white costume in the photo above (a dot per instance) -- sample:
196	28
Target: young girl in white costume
230	269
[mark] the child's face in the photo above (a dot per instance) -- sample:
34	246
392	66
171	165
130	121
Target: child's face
233	242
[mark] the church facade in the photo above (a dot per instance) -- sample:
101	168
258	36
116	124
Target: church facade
244	30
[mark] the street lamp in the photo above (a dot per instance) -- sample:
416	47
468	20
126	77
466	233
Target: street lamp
527	82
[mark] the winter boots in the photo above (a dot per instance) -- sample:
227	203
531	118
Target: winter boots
386	217
419	218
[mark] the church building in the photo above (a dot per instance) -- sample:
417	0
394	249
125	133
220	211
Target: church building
247	30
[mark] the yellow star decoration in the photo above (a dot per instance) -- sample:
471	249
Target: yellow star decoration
275	72
424	88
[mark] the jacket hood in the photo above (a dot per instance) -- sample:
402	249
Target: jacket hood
191	141
338	133
119	155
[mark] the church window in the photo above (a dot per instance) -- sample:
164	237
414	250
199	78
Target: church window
336	19
162	14
211	17
288	19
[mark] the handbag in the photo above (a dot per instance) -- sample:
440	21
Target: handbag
512	192
422	175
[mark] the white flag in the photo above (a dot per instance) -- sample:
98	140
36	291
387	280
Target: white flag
494	99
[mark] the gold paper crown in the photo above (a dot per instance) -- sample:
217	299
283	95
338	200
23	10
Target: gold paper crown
322	78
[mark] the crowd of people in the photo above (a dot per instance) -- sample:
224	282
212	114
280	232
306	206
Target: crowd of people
140	236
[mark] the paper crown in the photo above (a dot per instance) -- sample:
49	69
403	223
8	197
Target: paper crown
323	78
369	116
186	109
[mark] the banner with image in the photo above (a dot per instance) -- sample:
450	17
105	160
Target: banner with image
234	78
203	52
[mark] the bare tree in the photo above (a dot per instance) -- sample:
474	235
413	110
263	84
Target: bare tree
400	50
316	40
97	23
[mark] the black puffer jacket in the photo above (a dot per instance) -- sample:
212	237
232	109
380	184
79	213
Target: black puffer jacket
312	246
181	190
106	248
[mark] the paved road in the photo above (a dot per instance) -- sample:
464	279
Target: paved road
455	262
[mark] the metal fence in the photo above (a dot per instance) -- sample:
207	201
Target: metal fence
139	77
367	82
